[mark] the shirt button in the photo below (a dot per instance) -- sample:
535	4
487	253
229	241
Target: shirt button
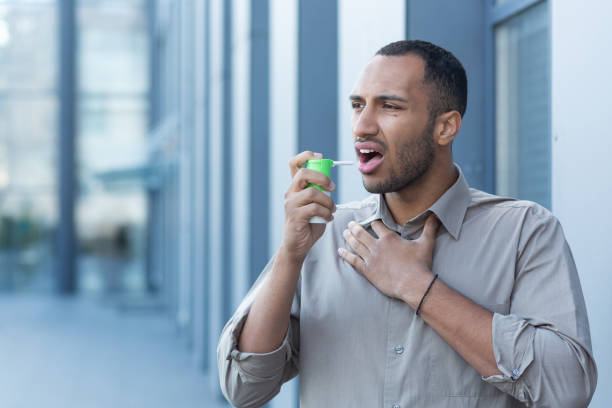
515	372
399	349
396	406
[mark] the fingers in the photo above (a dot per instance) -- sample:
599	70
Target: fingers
357	246
380	229
307	196
361	234
303	177
311	210
353	259
296	162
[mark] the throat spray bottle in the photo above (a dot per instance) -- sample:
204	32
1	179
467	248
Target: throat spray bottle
323	166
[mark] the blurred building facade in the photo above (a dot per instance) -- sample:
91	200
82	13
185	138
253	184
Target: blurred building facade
189	111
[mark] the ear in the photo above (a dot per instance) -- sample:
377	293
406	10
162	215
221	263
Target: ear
446	127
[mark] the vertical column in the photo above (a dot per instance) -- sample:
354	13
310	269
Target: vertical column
66	272
581	164
364	27
201	184
318	77
217	265
283	109
154	80
467	19
238	41
227	163
283	143
185	173
260	137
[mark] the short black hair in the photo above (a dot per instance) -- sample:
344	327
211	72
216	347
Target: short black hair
442	70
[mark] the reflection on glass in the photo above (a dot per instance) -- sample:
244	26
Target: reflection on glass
28	213
523	157
113	117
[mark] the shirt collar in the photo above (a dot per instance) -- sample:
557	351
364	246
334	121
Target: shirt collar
450	209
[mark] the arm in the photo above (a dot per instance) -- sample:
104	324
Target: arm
460	322
538	361
258	349
545	337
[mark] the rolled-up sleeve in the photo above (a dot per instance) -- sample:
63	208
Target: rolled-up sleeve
252	379
543	346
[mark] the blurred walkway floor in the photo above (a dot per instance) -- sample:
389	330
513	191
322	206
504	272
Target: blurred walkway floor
64	353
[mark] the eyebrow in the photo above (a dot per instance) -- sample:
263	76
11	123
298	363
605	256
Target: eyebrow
385	97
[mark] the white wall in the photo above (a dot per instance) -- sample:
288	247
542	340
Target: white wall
582	162
283	131
364	26
241	54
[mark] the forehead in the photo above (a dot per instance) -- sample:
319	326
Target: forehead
400	75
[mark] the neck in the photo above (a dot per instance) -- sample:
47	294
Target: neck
412	200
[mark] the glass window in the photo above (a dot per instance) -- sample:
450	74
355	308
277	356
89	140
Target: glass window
522	98
28	46
113	117
28	200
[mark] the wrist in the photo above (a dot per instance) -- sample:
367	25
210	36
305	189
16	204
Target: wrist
289	258
413	290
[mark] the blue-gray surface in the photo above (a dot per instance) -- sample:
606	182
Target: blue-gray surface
59	352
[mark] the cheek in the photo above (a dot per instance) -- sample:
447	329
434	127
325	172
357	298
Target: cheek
396	133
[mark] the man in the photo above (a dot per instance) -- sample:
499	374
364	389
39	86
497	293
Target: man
425	294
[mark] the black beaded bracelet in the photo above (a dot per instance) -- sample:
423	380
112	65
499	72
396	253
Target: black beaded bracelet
426	292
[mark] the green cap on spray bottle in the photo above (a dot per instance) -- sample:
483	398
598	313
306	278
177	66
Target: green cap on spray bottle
322	166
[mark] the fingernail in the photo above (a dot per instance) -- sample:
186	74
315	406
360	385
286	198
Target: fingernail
345	233
340	251
332	185
318	155
351	223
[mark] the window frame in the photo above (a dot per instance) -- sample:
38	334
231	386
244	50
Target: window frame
494	16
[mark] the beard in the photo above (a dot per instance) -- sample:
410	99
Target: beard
415	158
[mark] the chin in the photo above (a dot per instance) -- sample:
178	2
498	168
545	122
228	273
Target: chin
375	187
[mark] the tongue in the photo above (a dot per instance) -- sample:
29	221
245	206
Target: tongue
369	164
368	156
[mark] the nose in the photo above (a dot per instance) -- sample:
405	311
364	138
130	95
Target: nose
364	122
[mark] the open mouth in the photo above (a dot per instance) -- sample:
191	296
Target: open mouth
370	156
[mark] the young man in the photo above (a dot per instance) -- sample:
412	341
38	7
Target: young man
425	294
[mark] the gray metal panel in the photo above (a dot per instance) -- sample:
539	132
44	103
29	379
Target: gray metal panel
66	272
460	28
202	313
318	77
226	238
259	135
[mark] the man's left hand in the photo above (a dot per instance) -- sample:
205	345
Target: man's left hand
399	268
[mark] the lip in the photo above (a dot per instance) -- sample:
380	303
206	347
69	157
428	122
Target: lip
371	165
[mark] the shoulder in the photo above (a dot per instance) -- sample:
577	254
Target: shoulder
518	220
482	203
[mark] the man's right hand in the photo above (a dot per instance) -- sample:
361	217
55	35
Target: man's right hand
301	204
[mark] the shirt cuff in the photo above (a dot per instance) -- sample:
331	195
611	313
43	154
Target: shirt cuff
258	367
513	348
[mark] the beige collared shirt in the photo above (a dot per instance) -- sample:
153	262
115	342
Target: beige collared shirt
355	347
